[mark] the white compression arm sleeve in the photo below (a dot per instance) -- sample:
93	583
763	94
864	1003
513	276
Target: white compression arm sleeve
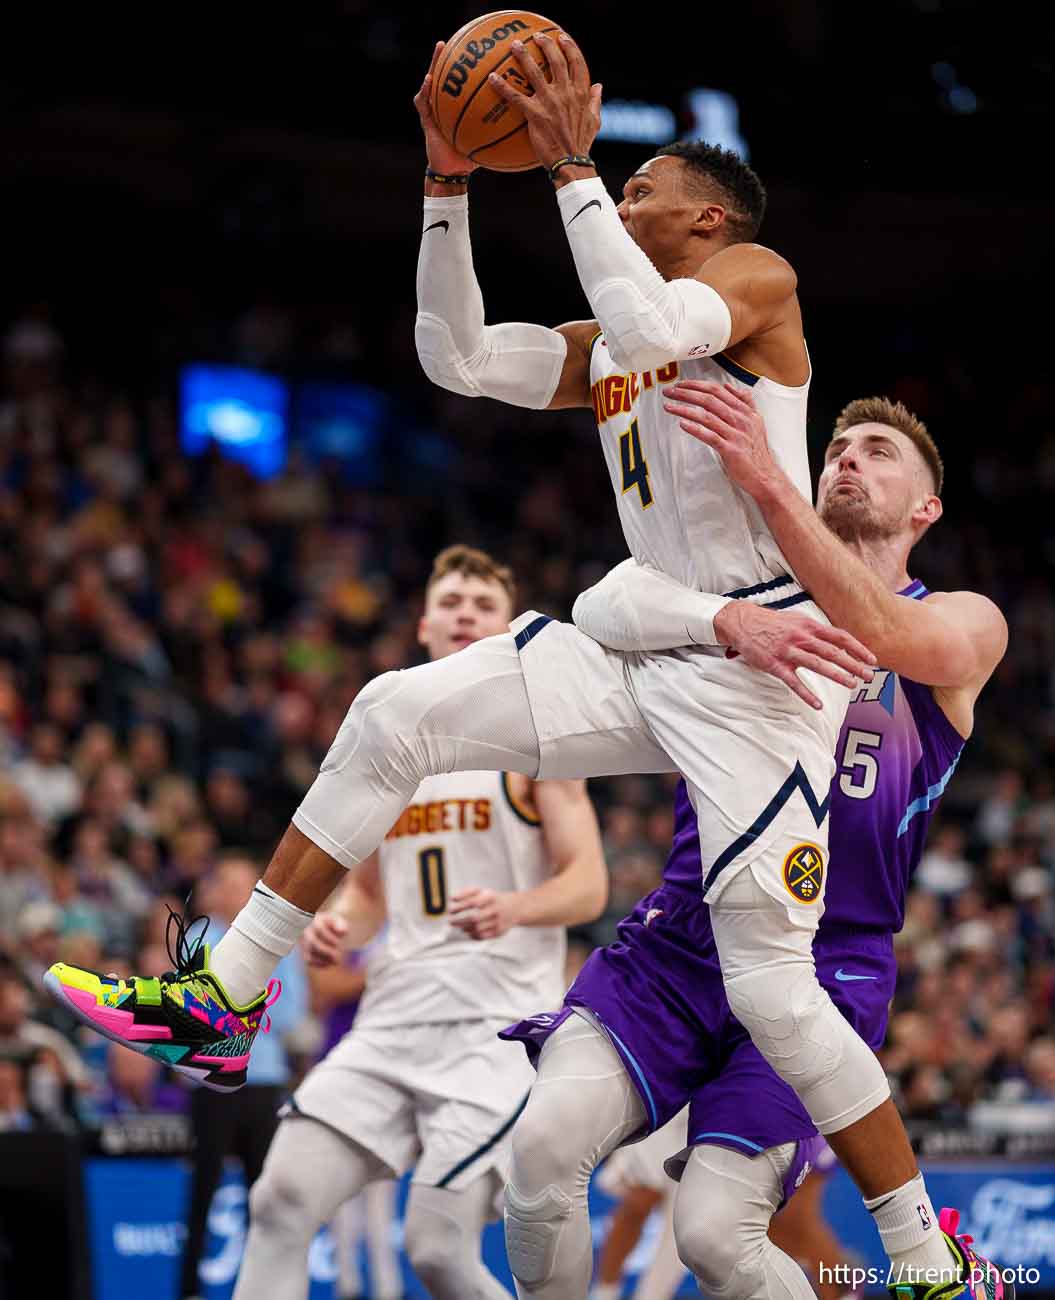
647	321
635	607
515	363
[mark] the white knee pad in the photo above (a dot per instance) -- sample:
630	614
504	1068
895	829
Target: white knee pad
533	1228
801	1033
722	1212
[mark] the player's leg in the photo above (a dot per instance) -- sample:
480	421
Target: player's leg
770	980
801	1231
721	1219
469	711
310	1170
368	1218
443	1230
346	1229
379	1202
582	1106
763	846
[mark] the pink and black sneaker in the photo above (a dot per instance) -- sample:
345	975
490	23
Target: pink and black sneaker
184	1018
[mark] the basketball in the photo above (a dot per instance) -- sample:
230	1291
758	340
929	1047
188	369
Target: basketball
472	118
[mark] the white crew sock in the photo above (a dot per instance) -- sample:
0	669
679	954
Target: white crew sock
908	1228
606	1291
262	933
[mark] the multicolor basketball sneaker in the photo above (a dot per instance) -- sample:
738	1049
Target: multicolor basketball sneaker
183	1018
979	1278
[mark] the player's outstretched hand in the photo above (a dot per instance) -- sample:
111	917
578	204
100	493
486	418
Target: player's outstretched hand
778	642
323	940
483	913
442	158
725	418
563	114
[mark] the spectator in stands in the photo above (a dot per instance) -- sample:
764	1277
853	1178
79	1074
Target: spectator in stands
943	869
14	1107
50	784
1040	1070
50	1062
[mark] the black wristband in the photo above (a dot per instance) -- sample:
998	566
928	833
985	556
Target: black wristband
462	178
572	160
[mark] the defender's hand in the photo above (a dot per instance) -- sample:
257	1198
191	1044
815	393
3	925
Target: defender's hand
563	114
726	419
483	913
442	158
323	940
777	643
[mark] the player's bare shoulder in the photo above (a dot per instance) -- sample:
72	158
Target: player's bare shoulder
574	387
759	287
760	273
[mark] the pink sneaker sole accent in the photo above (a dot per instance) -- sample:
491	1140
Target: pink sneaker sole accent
118	1022
225	1064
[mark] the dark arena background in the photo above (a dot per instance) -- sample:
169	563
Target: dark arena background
223	477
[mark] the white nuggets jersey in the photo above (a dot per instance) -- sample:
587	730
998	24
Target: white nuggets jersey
460	831
679	510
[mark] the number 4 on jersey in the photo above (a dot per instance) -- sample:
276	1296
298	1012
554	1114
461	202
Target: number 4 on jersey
635	467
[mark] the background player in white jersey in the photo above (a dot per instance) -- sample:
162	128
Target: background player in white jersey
477	880
677	289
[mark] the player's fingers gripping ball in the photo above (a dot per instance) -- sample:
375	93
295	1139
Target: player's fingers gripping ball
473	119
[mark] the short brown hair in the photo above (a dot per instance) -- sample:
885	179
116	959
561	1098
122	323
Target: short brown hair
895	415
471	563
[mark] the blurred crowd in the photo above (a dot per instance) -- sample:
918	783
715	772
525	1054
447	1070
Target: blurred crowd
179	643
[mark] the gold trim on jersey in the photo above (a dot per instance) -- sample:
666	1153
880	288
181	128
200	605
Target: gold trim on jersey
525	811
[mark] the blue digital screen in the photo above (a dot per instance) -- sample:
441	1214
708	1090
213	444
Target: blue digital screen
244	412
342	423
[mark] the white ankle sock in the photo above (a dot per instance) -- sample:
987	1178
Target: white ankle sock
606	1291
262	933
908	1228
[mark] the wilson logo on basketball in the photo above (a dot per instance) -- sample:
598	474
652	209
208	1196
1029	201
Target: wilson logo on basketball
474	52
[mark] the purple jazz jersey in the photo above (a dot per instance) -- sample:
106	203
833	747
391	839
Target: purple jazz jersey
657	991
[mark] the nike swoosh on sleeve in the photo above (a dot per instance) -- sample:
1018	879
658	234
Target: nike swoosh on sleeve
844	978
593	203
442	225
